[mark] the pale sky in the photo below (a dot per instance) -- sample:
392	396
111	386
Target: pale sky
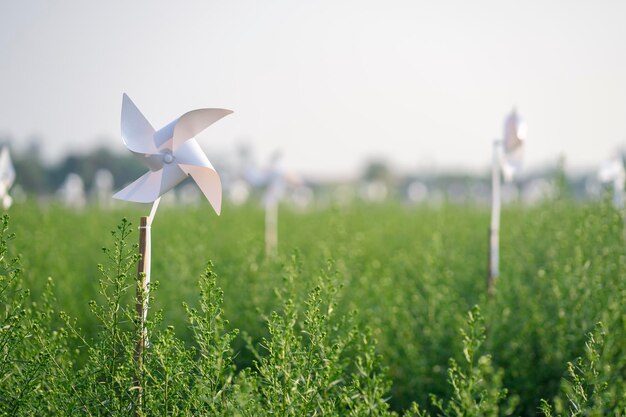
330	82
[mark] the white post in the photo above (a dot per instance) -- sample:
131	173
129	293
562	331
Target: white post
494	230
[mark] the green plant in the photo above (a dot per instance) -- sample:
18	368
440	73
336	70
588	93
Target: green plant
20	365
586	388
323	365
411	272
476	385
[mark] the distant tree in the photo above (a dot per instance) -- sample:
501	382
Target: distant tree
30	172
377	170
35	177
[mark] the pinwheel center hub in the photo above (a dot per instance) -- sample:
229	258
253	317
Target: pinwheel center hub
168	158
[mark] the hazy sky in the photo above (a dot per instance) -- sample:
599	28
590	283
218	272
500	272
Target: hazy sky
330	82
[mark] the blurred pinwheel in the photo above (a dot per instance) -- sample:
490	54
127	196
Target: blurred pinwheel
507	159
275	181
513	145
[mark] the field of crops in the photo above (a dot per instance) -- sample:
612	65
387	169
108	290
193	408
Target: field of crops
366	310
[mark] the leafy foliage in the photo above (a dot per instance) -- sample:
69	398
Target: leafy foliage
477	387
413	274
315	364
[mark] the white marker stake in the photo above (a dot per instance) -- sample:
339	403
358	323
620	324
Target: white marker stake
494	230
273	193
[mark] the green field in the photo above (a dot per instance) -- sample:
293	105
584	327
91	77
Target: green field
399	281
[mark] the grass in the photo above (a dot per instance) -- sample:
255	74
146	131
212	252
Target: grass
366	309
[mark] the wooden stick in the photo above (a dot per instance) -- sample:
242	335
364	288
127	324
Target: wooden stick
143	279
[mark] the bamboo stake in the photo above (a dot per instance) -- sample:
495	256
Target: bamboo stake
143	279
142	297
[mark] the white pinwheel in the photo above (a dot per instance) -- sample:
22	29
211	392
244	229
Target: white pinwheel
275	181
171	153
7	177
507	158
513	145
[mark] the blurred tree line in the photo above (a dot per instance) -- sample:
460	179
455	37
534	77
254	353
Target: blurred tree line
37	177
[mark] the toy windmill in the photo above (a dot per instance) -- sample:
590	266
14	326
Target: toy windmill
171	154
7	178
274	180
507	160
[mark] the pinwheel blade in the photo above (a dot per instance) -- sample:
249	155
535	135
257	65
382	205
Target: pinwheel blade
209	183
190	124
154	162
190	153
513	145
194	162
510	167
163	136
172	176
514	133
144	190
137	133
